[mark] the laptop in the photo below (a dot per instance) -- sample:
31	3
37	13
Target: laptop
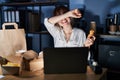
65	60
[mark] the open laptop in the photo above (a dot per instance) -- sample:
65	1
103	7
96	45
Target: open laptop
65	60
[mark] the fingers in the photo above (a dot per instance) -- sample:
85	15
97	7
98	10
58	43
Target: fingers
92	38
76	13
90	41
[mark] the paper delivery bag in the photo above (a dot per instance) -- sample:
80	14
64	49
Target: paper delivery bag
11	41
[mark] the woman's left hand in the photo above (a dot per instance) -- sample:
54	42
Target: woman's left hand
89	41
74	13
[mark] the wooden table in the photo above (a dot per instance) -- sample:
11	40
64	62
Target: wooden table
90	75
39	75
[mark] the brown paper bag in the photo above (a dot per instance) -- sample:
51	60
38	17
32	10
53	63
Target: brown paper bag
11	41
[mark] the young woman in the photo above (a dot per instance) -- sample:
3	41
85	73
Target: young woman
61	28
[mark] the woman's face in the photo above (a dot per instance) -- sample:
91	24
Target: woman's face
65	22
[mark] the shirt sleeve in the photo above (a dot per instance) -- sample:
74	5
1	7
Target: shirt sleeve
50	27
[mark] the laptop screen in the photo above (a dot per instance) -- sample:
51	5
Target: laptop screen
65	60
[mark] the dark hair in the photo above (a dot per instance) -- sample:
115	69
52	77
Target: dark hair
59	10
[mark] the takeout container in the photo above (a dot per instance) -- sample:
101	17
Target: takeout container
11	68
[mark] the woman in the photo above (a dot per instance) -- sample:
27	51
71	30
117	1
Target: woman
61	28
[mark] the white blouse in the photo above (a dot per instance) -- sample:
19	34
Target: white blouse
77	37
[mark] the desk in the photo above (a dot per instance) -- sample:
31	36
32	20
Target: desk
39	75
90	75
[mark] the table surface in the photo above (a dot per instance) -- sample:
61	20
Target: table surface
39	75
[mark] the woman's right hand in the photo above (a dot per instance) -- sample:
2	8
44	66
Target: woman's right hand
89	41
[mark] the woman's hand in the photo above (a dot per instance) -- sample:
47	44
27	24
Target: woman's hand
74	13
89	41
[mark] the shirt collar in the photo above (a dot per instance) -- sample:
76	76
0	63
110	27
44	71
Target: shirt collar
71	37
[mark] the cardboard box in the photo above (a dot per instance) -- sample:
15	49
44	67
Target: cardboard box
33	65
36	64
